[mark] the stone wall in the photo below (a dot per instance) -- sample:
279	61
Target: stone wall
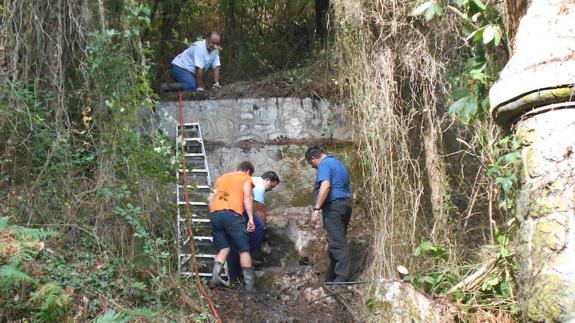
535	96
546	213
272	133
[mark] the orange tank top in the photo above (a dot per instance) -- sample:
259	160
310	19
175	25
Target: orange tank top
230	192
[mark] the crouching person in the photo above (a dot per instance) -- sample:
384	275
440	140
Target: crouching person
267	182
233	196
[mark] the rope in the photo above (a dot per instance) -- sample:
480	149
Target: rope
190	226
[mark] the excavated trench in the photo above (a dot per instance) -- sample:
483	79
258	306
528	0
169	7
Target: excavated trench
290	273
273	134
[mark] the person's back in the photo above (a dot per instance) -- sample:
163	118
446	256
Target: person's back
231	197
229	192
333	170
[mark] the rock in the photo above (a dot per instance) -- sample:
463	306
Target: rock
293	221
294	282
396	301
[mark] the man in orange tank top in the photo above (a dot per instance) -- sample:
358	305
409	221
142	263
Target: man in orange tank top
233	196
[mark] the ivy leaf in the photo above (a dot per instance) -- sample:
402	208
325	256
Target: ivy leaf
476	35
506	182
422	8
488	34
512	157
480	4
464	107
423	247
429	279
497	36
434	10
461	92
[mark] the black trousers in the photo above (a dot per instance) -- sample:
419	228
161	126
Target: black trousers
336	216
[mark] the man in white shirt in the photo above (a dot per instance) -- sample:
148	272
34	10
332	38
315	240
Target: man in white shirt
267	182
189	66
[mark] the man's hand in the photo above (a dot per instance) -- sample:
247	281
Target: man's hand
216	86
200	89
251	225
313	220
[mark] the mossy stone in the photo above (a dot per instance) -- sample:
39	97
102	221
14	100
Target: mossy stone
546	295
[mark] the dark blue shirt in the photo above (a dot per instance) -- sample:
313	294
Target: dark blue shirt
332	170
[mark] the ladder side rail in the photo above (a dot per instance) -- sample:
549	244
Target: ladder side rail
206	165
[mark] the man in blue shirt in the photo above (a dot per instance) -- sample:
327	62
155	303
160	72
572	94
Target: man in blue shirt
332	197
189	66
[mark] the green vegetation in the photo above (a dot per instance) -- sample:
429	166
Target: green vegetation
85	179
449	184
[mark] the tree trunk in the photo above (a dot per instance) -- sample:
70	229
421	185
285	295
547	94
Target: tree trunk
321	10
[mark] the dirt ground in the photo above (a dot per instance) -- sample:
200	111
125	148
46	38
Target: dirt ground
291	288
273	305
274	86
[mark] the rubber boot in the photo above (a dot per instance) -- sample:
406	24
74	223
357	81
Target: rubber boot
170	87
249	280
216	279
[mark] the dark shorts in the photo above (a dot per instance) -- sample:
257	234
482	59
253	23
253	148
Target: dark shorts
229	229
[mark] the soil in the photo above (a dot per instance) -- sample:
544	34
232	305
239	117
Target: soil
272	87
290	284
275	305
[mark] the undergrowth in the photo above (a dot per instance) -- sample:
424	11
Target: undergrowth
85	197
442	176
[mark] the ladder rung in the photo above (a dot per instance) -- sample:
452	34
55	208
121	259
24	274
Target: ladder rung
196	186
189	124
198	139
188	256
194	170
205	255
194	155
201	220
189	274
200	238
193	203
195	219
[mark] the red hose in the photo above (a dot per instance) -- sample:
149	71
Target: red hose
190	225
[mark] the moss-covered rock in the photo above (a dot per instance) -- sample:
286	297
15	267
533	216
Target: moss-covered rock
545	299
396	301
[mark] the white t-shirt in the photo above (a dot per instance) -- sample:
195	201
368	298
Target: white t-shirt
197	55
259	189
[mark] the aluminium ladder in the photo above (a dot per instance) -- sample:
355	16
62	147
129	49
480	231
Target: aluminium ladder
198	188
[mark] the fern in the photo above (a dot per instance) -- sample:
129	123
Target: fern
33	234
112	317
50	301
4	223
10	275
25	254
143	312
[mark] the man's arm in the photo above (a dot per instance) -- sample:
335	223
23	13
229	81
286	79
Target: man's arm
200	78
321	197
217	74
211	198
322	194
248	205
261	211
